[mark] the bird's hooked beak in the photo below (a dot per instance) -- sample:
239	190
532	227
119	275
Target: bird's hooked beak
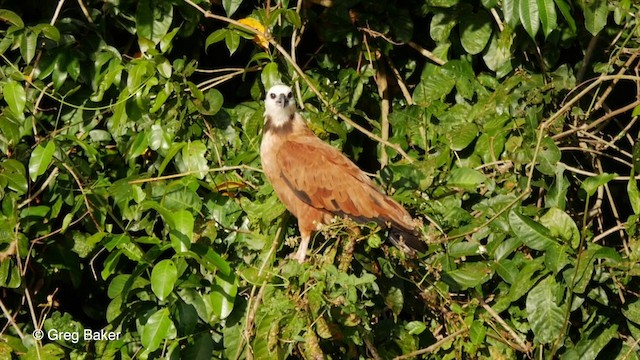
282	101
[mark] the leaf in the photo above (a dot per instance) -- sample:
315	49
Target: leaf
529	16
215	37
14	175
468	276
415	327
466	178
10	16
562	226
557	194
595	15
163	278
212	103
15	96
153	19
191	159
232	40
591	184
545	316
230	6
435	83
632	311
548	17
477	332
632	191
28	46
181	233
531	233
475	31
40	159
565	10
270	75
463	136
159	327
394	300
223	295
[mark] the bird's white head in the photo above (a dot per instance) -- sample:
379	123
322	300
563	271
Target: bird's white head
279	105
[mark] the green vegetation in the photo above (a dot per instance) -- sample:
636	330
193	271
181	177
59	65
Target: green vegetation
132	200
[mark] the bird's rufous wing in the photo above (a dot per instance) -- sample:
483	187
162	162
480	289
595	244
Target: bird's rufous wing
324	178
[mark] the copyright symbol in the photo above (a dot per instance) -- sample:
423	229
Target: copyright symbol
38	334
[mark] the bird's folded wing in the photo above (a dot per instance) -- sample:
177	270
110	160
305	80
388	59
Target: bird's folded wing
324	178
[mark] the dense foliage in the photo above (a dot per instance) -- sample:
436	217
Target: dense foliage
132	199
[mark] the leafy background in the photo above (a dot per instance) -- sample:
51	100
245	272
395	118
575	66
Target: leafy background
132	198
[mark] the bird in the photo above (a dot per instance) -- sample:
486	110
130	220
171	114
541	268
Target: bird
317	183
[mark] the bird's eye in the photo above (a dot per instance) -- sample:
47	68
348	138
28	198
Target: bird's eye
290	95
272	95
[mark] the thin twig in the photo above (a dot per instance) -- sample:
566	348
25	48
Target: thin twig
56	13
187	173
85	11
383	92
53	175
11	320
84	194
426	53
525	346
432	348
610	231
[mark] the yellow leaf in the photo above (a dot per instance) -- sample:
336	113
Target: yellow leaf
255	24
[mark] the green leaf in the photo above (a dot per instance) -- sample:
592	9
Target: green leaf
163	278
636	155
632	311
462	136
475	31
531	233
15	96
28	46
215	37
49	31
232	40
529	16
466	178
181	233
632	191
468	276
548	17
394	300
510	11
213	101
191	159
40	159
435	83
223	295
591	184
11	17
557	194
562	226
153	19
477	332
270	75
415	327
545	316
230	6
159	327
595	15
14	175
565	10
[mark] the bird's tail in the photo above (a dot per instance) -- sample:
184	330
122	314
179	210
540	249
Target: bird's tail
407	241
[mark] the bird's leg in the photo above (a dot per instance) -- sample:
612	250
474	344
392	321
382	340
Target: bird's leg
304	245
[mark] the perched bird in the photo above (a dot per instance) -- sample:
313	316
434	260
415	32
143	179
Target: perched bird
316	182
